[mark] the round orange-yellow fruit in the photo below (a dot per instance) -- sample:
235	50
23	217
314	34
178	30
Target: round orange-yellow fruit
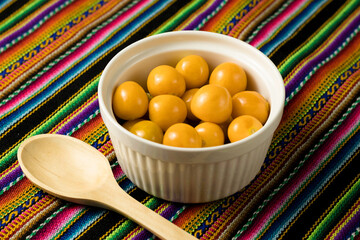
182	135
166	110
187	97
229	75
211	134
195	70
128	124
165	79
242	127
212	103
250	103
130	101
148	130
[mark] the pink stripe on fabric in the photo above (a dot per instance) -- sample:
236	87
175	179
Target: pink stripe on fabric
73	57
58	222
340	226
272	25
118	172
25	217
310	166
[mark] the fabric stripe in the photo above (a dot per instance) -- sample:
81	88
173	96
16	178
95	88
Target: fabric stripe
52	54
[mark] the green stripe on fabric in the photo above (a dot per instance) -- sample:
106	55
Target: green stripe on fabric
6	188
336	211
185	12
67	53
211	15
50	122
69	223
126	226
32	6
294	171
36	26
47	220
318	39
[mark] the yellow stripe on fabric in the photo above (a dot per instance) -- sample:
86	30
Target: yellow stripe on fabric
284	24
222	221
167	26
73	114
161	208
48	120
40	105
298	30
354	184
91	225
193	15
134	232
15	224
107	149
266	176
328	79
52	81
125	223
342	223
224	25
25	20
111	233
249	19
320	49
308	180
320	32
35	220
25	195
294	145
44	36
194	223
5	6
139	229
70	223
92	137
57	77
64	42
9	169
18	14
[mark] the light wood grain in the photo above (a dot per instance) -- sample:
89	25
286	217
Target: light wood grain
74	171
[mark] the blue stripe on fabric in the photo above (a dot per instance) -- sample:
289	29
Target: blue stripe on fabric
316	185
81	66
292	27
83	223
312	112
46	42
4	3
20	208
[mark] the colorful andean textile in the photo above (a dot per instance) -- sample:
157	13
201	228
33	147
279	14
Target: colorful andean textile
52	54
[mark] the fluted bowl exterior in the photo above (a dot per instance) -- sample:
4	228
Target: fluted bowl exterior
190	175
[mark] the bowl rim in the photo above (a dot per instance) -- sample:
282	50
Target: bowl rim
193	33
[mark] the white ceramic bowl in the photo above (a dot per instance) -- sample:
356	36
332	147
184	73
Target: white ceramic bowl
183	174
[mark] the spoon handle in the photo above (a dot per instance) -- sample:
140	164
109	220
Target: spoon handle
114	198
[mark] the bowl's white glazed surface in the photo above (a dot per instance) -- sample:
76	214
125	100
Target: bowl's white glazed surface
184	174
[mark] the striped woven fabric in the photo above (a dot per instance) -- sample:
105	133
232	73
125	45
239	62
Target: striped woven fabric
52	53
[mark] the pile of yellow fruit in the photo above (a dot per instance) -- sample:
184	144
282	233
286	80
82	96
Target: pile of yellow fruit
189	106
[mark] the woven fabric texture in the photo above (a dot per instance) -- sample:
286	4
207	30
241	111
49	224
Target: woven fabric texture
52	53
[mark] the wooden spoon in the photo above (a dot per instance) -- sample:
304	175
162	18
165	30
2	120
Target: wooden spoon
74	171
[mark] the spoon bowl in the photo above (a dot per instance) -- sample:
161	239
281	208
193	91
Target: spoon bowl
72	170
